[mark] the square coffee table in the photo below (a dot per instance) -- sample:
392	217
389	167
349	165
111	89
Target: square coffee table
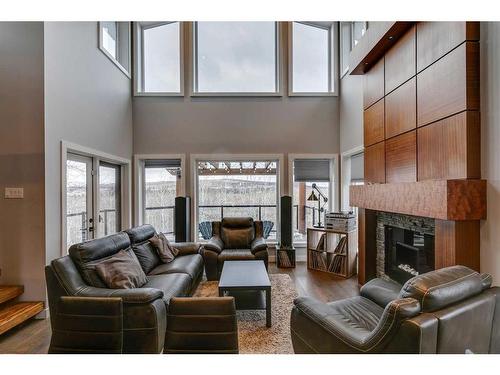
248	282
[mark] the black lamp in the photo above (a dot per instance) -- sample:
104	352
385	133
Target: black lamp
316	198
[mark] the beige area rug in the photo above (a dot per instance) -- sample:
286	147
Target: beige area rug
254	336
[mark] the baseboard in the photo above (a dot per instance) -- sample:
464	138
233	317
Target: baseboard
44	314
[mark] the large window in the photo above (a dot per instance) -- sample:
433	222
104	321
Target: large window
312	56
237	188
159	64
312	194
161	185
114	42
236	58
109	198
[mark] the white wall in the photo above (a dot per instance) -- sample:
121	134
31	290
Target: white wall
22	243
490	146
87	102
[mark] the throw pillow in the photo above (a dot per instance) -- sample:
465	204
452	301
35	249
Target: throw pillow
166	252
121	271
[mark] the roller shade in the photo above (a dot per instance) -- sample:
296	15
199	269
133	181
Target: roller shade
357	167
162	163
311	170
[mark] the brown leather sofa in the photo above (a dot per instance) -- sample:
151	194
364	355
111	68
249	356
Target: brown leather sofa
233	238
450	310
144	309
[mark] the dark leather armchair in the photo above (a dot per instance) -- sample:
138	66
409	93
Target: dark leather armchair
202	326
449	310
234	238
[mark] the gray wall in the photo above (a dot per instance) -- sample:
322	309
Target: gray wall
236	125
87	102
22	243
490	150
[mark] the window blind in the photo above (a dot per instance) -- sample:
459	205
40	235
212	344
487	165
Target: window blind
357	167
311	170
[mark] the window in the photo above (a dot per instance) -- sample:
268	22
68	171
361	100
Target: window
114	42
350	35
312	56
159	65
162	181
109	198
236	58
312	194
237	188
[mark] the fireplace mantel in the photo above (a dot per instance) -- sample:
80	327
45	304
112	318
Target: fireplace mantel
439	199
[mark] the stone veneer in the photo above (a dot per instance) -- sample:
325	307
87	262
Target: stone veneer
419	224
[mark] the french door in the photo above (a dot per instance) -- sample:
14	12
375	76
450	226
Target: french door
93	198
79	199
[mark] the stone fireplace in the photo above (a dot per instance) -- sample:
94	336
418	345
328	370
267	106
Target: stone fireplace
405	246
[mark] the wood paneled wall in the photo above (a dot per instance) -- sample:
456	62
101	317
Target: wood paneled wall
421	103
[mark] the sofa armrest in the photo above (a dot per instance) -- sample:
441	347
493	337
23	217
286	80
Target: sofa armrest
128	296
214	244
186	248
258	244
381	291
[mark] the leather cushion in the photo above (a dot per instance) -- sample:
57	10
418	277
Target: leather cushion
172	285
236	254
141	233
89	251
381	291
121	271
443	287
237	232
147	256
190	264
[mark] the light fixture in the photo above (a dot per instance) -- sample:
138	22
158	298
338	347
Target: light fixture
316	198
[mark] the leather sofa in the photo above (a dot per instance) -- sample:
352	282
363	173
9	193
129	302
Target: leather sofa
234	238
450	310
145	308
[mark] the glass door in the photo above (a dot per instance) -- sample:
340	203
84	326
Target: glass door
79	199
109	199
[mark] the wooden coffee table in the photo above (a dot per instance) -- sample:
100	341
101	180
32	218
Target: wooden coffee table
248	282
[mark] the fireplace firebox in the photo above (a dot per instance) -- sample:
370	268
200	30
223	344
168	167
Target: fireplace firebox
408	253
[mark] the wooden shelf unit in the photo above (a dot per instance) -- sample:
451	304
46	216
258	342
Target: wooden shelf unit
324	259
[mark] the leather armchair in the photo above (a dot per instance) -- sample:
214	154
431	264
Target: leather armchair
202	326
449	310
234	238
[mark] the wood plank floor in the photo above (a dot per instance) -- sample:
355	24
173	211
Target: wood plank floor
34	336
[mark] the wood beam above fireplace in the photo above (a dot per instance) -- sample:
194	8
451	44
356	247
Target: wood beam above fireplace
438	199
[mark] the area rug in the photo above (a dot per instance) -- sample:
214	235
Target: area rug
254	336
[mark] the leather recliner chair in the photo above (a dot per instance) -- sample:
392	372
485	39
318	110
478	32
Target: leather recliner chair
234	238
450	310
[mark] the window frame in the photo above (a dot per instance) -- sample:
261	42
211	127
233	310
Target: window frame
139	28
127	72
278	68
333	81
280	183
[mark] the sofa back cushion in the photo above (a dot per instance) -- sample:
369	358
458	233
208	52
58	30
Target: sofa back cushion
443	287
144	250
237	232
86	255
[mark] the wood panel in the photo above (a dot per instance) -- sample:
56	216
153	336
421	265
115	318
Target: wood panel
378	39
401	158
373	123
401	109
8	292
450	85
457	242
373	84
435	39
439	199
374	160
400	61
450	148
367	250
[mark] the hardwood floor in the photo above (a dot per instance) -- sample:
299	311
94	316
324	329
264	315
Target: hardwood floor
33	337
